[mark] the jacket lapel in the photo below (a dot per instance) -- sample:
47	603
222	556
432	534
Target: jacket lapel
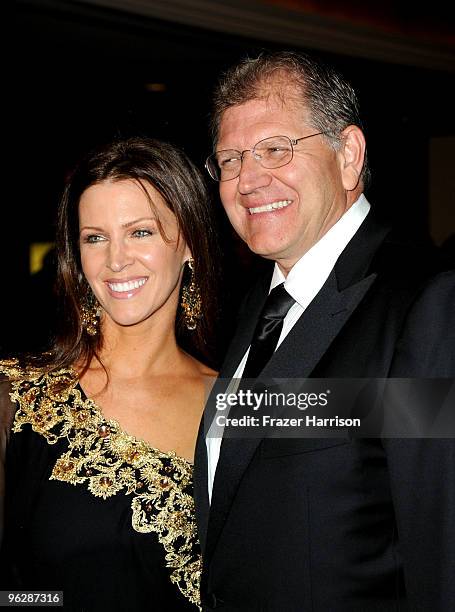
316	329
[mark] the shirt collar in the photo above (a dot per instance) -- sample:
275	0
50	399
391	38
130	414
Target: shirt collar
311	271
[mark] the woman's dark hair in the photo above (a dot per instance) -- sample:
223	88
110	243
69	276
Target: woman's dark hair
179	182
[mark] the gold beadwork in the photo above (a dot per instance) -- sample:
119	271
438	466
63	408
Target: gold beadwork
103	431
191	301
90	314
105	459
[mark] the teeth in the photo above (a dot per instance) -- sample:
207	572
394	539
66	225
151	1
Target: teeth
121	287
270	207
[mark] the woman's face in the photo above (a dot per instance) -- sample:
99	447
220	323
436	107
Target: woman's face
134	273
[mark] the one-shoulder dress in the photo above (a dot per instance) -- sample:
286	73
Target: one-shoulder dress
88	509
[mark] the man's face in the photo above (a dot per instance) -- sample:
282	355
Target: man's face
309	189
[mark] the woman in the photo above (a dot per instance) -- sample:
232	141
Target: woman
103	427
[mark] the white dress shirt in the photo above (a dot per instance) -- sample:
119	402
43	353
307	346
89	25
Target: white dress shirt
303	283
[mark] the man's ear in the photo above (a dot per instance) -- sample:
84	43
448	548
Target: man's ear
351	156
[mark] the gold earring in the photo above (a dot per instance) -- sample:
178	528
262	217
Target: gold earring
191	301
90	314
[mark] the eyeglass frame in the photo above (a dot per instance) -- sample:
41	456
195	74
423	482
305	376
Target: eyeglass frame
293	141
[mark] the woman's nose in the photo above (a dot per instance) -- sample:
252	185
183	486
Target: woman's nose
119	256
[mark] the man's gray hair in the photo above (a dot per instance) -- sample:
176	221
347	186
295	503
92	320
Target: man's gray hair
331	101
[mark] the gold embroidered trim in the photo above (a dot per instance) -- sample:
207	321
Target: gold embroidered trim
107	460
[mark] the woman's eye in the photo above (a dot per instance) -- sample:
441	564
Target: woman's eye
142	233
92	238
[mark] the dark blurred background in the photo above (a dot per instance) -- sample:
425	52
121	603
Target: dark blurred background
87	71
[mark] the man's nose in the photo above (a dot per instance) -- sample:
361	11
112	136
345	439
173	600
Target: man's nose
252	175
119	255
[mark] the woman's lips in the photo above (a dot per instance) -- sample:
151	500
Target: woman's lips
126	288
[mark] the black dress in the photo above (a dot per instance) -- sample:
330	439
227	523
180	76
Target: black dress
90	510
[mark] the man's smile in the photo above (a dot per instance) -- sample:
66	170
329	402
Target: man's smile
269	207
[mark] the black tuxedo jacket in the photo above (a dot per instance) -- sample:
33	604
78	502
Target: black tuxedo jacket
340	524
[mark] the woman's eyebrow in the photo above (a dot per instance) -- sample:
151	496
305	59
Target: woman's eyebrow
130	223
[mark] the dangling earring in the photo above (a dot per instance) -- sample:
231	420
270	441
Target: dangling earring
191	301
91	313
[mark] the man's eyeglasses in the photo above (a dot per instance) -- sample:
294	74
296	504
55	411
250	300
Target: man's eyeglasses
272	152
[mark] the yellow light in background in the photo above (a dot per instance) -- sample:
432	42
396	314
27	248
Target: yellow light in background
38	251
156	87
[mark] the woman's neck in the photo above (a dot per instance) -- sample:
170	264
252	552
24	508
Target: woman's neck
146	349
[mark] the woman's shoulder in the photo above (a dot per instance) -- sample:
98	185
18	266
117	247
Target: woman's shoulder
16	369
31	375
11	371
21	374
198	368
14	373
29	388
206	372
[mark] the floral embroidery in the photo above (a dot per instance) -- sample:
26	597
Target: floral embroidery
104	458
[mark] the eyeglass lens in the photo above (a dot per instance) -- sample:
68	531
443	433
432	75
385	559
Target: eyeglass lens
270	153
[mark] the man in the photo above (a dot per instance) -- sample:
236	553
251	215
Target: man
323	524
